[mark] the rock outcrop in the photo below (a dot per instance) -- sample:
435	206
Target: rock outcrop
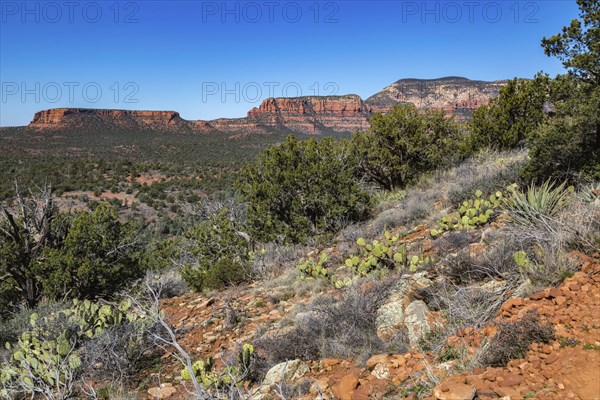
87	118
306	115
453	95
315	114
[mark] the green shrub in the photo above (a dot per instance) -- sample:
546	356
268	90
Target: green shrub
160	254
567	147
508	120
215	253
301	189
404	143
99	257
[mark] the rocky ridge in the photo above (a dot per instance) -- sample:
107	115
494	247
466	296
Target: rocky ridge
72	118
454	95
306	115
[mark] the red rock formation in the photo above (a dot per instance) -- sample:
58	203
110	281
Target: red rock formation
313	114
341	106
309	115
65	118
453	95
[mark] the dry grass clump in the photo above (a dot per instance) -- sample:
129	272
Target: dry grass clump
339	326
117	354
276	259
466	306
168	283
514	338
549	239
456	241
488	171
417	207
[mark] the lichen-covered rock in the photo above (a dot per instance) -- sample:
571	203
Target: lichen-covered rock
390	315
418	321
287	371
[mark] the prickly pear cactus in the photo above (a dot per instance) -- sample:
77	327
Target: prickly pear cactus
472	213
381	256
311	269
42	359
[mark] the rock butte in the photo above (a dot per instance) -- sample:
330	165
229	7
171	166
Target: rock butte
308	115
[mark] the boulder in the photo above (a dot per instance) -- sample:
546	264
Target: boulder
288	371
417	320
390	316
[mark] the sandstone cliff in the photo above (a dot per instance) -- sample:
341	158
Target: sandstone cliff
454	95
72	118
308	115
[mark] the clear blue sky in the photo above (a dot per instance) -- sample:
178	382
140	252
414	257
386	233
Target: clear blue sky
182	55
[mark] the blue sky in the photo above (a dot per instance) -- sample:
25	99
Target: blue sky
210	59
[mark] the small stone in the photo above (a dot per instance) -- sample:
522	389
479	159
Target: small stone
554	292
560	300
345	387
574	287
163	392
512	380
551	358
546	349
329	362
363	392
381	371
538	296
511	303
377	359
452	391
506	391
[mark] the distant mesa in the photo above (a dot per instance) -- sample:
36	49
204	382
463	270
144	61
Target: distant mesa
308	115
454	95
74	118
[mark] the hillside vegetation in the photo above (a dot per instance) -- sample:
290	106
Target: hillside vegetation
421	258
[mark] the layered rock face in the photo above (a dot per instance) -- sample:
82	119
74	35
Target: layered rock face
453	95
69	118
307	115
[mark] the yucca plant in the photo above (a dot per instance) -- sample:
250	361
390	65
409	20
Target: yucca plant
538	203
591	193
